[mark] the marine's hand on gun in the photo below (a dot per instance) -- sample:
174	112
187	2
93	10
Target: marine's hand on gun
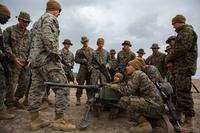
111	86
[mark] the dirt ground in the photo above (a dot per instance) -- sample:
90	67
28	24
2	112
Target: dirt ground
74	114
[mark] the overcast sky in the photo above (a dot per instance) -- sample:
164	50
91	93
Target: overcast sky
143	22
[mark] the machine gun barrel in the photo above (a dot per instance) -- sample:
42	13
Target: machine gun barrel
72	86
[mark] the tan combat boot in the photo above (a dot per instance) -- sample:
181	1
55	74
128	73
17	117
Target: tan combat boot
18	105
189	124
61	124
78	101
25	102
44	105
143	127
37	122
6	116
163	125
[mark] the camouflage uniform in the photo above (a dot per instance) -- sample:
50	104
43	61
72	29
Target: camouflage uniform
103	57
17	42
84	72
113	62
124	57
184	59
170	41
140	96
2	82
2	89
169	75
67	57
4	58
158	60
153	74
46	63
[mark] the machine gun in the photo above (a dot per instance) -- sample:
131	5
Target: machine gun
71	86
103	97
165	94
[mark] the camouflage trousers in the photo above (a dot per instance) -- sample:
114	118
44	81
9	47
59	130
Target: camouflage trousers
18	84
169	77
95	78
2	89
182	97
137	107
52	72
82	77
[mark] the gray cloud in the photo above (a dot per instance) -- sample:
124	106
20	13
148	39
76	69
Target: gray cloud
140	21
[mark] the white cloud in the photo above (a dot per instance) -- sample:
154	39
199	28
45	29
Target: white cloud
140	21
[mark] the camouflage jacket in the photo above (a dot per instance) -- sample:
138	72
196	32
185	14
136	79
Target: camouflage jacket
153	74
184	53
1	36
138	84
67	57
102	56
83	57
44	40
113	63
124	57
17	42
158	60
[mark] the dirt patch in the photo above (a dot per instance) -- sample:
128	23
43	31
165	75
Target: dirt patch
74	114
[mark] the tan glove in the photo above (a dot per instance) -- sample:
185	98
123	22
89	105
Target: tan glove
114	86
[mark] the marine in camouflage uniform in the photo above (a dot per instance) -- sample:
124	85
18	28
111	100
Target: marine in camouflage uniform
125	55
153	74
171	42
101	56
46	66
140	97
67	56
17	43
157	59
68	62
141	53
151	71
83	57
113	62
183	62
4	17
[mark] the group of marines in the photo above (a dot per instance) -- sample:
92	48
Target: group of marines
29	58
